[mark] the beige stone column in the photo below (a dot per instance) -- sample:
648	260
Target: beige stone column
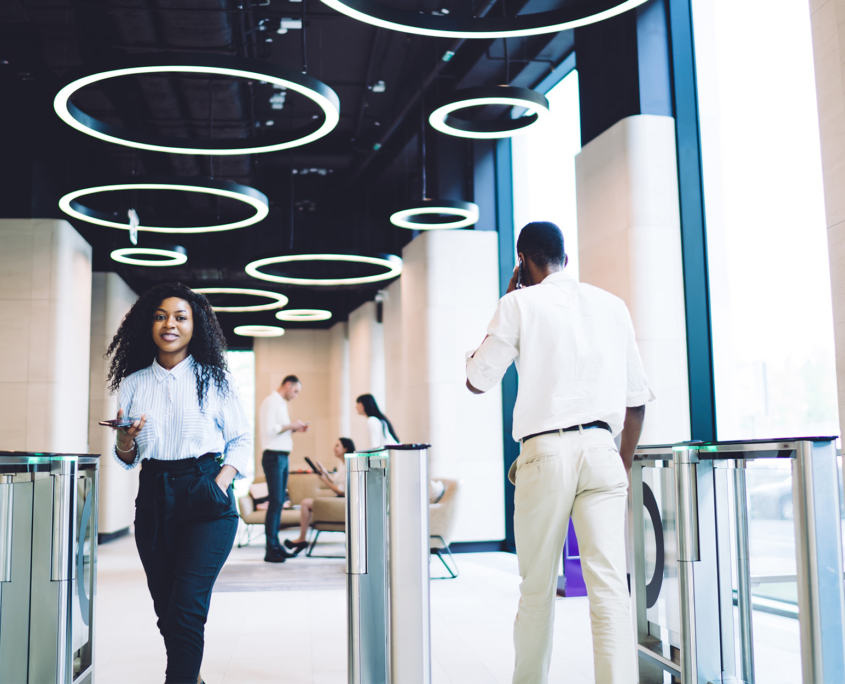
448	293
629	240
45	306
111	299
828	26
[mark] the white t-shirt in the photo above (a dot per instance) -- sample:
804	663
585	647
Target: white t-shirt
339	478
272	416
379	434
575	351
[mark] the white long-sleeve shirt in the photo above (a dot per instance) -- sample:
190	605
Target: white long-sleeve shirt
379	434
272	417
177	427
575	351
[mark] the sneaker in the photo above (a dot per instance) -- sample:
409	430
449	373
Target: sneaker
276	554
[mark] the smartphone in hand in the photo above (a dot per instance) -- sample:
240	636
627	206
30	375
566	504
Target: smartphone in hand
119	422
312	466
520	275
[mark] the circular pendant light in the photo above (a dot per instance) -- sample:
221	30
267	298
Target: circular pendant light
71	205
279	300
444	120
203	64
164	255
392	264
411	21
259	331
304	315
463	214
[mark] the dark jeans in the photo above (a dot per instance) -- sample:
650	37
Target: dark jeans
275	465
184	529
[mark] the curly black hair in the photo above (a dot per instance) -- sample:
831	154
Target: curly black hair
133	347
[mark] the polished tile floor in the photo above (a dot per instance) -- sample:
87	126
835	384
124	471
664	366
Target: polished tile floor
297	634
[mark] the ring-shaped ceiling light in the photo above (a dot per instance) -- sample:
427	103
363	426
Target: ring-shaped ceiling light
444	120
411	21
464	213
216	65
168	255
392	263
279	300
242	193
304	315
259	331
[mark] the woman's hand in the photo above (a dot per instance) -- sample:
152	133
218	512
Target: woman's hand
126	436
225	476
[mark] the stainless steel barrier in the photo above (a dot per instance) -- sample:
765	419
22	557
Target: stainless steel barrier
387	566
48	561
684	501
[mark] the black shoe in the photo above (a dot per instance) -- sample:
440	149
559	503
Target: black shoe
276	554
296	547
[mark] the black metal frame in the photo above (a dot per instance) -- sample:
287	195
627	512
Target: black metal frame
437	550
310	552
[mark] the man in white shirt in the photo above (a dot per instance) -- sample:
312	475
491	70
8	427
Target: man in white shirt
581	383
277	431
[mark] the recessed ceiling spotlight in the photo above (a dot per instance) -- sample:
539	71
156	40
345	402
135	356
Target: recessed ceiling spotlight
259	331
269	123
242	193
379	87
304	315
444	120
218	65
463	214
164	255
391	263
279	300
411	21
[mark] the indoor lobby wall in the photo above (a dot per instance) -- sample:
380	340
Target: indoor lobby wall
448	294
308	355
45	304
366	367
828	27
111	299
630	245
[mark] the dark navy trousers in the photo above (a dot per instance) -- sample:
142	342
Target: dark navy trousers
275	464
184	529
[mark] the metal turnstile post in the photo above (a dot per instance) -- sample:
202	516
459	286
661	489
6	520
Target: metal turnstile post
743	575
818	551
686	497
387	561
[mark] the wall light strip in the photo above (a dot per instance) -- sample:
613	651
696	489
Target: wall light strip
393	264
220	65
411	21
279	300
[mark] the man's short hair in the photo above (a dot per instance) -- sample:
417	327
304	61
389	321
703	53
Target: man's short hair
291	379
542	242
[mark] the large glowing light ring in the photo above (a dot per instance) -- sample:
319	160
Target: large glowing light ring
443	120
393	264
259	331
249	196
220	65
173	255
279	300
411	21
304	315
465	213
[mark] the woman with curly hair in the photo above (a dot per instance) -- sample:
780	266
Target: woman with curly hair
192	438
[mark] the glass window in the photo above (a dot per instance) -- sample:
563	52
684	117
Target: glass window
544	168
767	243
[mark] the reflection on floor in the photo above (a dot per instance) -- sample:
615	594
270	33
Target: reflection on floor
295	632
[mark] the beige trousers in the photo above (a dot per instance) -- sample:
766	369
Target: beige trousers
578	474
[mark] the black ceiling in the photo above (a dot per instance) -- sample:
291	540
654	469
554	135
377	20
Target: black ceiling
333	195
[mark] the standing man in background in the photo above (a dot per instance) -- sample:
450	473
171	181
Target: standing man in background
277	431
581	383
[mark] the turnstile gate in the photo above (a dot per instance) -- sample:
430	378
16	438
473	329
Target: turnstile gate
387	565
48	561
689	518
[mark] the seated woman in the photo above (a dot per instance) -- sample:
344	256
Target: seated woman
336	483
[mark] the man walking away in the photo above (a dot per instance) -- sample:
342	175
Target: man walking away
277	441
581	382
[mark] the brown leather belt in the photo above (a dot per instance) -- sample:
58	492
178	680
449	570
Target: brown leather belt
595	424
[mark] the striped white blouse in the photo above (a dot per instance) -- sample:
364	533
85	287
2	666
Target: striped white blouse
176	427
